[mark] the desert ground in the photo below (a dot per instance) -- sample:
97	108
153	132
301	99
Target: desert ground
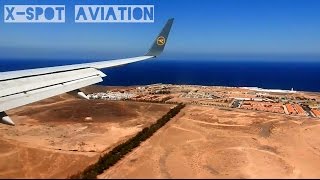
213	142
61	136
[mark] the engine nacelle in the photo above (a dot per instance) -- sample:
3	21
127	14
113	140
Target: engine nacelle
79	94
5	119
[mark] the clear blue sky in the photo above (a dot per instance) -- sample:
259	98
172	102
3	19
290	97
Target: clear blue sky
203	29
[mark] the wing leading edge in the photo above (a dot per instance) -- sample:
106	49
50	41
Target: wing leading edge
18	88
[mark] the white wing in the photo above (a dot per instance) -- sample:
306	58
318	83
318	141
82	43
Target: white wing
18	88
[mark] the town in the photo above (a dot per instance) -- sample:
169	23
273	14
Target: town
285	102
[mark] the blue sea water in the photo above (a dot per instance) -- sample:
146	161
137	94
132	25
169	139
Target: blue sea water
302	76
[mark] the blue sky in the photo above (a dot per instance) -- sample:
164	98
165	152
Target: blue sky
203	29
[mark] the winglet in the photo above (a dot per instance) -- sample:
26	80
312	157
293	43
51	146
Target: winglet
161	40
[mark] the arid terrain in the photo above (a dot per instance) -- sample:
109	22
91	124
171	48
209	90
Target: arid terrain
221	133
206	142
60	136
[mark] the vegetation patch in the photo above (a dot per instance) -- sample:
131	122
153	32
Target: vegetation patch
112	157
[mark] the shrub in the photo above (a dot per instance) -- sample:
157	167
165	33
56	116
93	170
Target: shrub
112	157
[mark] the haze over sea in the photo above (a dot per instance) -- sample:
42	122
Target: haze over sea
302	76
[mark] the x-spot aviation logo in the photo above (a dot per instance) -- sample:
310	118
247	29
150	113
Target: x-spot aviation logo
82	14
161	41
34	13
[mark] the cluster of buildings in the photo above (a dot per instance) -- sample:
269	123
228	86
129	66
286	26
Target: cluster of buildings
111	96
276	101
316	112
294	109
153	98
263	106
154	89
199	95
297	109
275	107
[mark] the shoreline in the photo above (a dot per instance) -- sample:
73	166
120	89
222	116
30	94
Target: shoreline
259	89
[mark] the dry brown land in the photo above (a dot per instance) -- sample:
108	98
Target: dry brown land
60	136
208	142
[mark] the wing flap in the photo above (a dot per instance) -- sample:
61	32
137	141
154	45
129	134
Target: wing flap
46	92
14	86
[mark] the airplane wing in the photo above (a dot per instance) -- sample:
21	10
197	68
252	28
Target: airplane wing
18	88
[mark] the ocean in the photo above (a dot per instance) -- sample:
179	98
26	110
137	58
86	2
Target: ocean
301	76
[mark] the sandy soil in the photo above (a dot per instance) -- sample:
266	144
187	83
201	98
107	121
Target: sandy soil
208	142
60	136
